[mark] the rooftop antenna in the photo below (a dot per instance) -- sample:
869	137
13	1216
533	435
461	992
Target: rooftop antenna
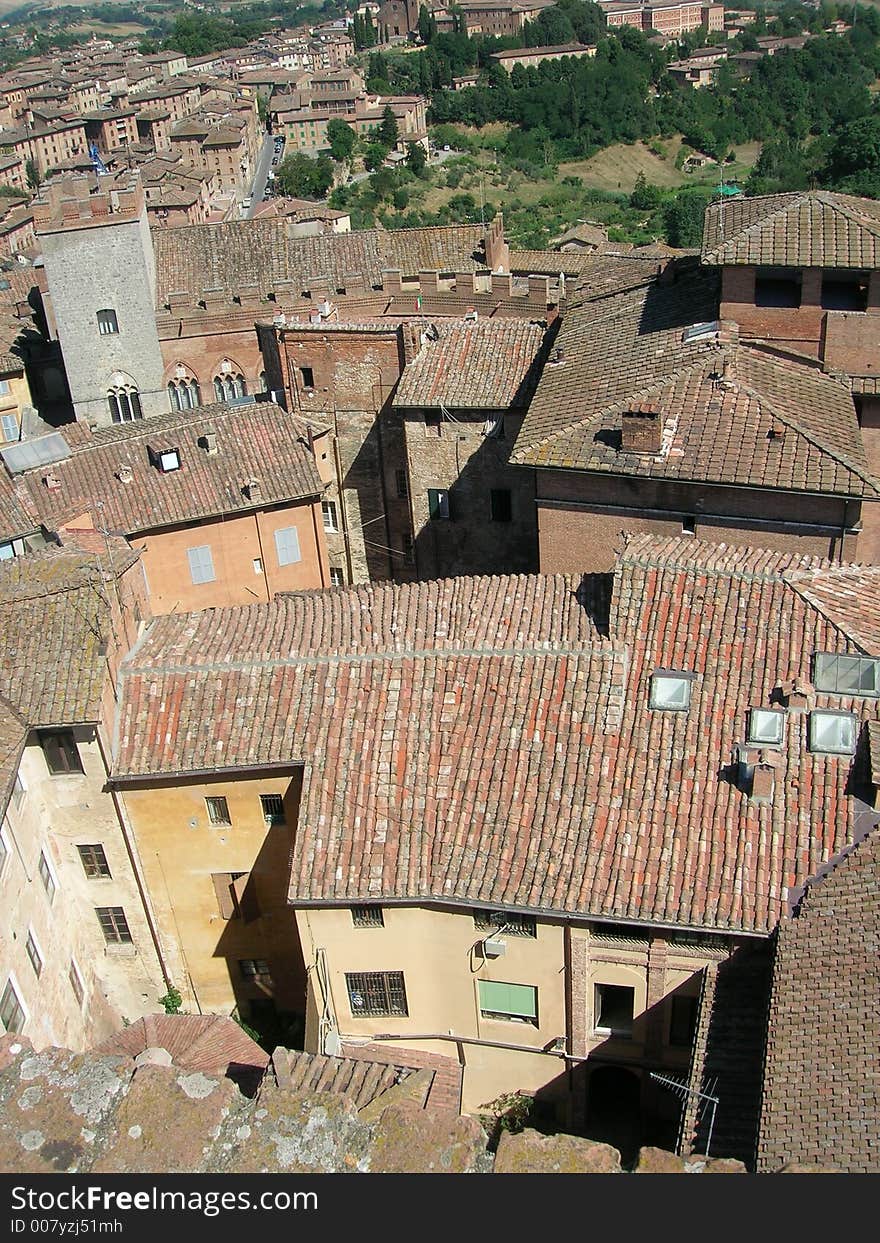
682	1091
721	202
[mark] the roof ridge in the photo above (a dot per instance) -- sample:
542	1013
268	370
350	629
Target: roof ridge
708	562
794	199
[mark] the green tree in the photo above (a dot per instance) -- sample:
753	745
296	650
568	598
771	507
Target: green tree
684	217
416	158
427	27
302	177
172	1001
644	197
342	139
388	131
32	172
374	155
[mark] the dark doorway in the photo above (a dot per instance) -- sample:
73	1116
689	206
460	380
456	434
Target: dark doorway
614	1109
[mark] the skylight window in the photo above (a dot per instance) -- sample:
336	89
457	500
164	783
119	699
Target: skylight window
833	733
670	691
846	675
169	460
766	727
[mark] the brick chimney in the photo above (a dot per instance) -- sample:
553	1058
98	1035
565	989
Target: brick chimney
642	429
764	776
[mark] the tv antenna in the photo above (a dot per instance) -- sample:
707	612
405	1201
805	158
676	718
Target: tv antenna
683	1092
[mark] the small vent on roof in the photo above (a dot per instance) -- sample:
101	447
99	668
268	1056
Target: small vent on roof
52	482
252	489
208	442
125	474
558	357
470	315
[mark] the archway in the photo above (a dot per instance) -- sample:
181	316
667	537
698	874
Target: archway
614	1112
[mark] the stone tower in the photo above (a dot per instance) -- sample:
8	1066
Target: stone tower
100	297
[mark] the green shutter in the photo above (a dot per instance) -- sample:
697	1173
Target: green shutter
518	999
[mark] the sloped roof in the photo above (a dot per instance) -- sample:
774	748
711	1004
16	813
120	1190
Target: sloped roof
261	252
592	803
55	623
490	365
258	441
211	1043
816	229
732	413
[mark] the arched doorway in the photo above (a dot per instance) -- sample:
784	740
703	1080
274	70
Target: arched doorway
614	1112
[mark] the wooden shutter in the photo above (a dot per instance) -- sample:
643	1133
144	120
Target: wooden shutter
245	894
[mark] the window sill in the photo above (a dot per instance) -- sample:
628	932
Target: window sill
123	949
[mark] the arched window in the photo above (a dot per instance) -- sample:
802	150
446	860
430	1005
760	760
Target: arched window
184	394
125	403
228	385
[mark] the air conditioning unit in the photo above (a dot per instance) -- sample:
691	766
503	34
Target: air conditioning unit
494	947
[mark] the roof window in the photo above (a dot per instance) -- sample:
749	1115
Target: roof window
169	459
846	675
833	733
766	727
670	690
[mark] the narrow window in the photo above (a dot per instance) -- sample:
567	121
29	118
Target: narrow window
47	877
60	749
328	512
433	421
287	546
273	808
107	323
515	1003
76	982
201	564
500	507
18	790
12	1014
402	487
367	917
307	375
114	925
409	555
377	993
337	576
438	504
94	861
514	925
33	952
218	810
10	427
688	525
4	852
613	1011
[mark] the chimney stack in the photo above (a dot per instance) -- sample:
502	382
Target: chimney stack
642	429
764	776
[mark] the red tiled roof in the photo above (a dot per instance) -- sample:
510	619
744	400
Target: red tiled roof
259	441
816	229
734	414
490	364
591	803
210	1043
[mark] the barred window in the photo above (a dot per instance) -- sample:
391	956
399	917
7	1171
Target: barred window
254	969
513	925
218	810
367	917
273	808
94	861
376	993
114	925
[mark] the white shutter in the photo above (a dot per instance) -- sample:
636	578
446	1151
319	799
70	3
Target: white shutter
287	546
10	427
201	564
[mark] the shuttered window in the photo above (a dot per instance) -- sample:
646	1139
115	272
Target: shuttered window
287	546
516	1002
201	564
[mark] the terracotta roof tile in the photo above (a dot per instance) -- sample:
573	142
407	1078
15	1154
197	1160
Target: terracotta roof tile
393	697
816	229
491	364
113	465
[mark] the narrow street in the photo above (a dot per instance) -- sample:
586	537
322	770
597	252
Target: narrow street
258	186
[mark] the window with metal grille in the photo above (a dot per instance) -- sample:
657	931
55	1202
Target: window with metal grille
846	675
273	808
254	969
76	982
376	993
402	486
500	505
201	564
328	512
33	952
514	925
337	577
94	861
108	324
60	749
45	874
515	1003
114	925
367	917
287	546
12	1014
218	810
